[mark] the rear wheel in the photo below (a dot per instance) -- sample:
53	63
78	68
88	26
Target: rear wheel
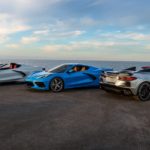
57	85
144	91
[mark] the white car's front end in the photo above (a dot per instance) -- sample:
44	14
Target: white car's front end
16	72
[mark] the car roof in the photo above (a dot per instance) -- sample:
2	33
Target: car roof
73	64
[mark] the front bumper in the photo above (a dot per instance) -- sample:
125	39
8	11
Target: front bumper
39	85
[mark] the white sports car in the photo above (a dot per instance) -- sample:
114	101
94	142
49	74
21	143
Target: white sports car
16	72
128	82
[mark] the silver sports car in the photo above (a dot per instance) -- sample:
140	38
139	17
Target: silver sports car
128	82
16	72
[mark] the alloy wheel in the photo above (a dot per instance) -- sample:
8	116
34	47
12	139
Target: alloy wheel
144	92
57	85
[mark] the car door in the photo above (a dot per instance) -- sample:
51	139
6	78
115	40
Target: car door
78	79
9	75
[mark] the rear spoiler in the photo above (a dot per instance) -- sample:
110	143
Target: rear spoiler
145	67
126	71
130	69
2	65
145	70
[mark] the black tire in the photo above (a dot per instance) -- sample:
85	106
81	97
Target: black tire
144	92
57	85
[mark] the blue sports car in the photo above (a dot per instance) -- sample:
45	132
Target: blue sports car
66	76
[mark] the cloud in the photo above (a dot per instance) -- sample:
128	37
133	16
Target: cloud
85	45
121	13
53	48
147	47
13	46
12	28
97	2
87	21
57	32
95	50
126	36
27	4
115	12
9	25
87	27
69	34
3	38
29	40
41	32
139	36
29	8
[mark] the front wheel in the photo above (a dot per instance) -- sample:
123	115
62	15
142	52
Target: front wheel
57	85
144	91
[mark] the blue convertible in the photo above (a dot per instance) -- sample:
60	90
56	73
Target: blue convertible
66	76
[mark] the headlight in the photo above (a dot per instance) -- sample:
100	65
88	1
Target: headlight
43	76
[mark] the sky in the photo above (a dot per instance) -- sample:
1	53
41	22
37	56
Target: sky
75	29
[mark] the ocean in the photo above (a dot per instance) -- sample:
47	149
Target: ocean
116	65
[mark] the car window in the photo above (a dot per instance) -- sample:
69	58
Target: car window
84	68
79	68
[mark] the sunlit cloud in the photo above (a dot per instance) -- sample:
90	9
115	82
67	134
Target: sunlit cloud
85	45
70	33
99	50
29	40
41	32
10	25
56	34
3	38
126	36
13	46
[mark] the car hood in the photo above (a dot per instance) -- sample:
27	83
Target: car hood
39	74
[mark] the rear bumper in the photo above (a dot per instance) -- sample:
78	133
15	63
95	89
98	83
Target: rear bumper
117	89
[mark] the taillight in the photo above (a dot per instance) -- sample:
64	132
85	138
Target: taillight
127	78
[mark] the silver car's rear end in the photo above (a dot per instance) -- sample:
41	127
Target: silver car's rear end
128	82
123	82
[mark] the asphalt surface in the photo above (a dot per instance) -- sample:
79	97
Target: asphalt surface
79	119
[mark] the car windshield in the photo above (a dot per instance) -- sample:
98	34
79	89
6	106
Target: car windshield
59	69
3	66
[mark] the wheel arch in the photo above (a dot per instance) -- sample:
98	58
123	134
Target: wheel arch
140	85
139	94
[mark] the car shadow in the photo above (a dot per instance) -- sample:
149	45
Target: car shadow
64	91
11	83
119	96
80	89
